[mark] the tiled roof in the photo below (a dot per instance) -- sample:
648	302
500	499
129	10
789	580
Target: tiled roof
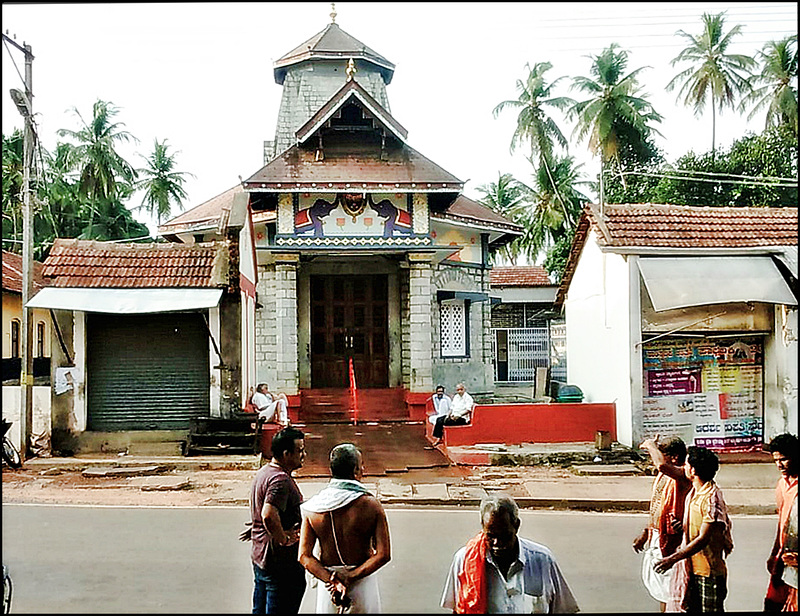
680	227
298	169
468	210
519	276
93	264
332	43
12	274
203	216
674	226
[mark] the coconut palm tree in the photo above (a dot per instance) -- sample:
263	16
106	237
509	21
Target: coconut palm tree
714	75
101	170
163	185
534	125
12	189
506	197
775	86
546	220
616	114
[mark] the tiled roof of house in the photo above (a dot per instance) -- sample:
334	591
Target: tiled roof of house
674	226
680	227
203	216
93	264
12	274
519	276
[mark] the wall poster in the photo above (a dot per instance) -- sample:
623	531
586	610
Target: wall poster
707	391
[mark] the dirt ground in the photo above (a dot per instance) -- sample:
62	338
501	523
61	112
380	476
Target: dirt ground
169	489
221	487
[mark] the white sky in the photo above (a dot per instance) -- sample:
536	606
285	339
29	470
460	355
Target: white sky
200	74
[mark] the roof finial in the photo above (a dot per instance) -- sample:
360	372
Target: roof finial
351	69
333	12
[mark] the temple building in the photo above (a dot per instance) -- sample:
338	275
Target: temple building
366	250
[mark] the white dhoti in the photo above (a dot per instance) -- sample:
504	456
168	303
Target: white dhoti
364	595
277	406
657	584
432	418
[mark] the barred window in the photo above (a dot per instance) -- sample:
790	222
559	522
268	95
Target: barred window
453	320
40	339
15	338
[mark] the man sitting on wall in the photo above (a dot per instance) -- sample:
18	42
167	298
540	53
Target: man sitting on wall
459	415
441	404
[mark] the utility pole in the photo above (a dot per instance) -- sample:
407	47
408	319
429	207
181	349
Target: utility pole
24	103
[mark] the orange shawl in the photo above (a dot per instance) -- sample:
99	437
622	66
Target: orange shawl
471	598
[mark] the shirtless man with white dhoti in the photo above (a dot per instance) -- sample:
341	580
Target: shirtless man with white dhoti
353	533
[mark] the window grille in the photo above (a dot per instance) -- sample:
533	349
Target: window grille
527	349
558	351
40	339
452	315
15	338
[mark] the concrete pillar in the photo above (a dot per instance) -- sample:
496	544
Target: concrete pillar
286	379
420	322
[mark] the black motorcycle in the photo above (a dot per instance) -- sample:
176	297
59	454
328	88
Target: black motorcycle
10	454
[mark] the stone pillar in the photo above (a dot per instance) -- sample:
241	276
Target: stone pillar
420	324
286	380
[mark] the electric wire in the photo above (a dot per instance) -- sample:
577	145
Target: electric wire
778	184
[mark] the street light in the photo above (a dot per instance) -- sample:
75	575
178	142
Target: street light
24	103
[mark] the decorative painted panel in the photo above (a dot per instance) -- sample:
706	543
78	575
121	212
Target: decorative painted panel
468	239
285	213
352	215
420	206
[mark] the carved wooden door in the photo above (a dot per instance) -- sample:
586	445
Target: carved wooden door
349	318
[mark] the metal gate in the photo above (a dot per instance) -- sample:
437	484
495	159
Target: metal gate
146	371
522	350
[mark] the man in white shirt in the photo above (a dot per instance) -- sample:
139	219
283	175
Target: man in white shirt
498	572
441	404
270	407
459	414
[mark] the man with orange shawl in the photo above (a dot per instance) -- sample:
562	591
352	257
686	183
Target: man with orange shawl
662	535
498	572
782	561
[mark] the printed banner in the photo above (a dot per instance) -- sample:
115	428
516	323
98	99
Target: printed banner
709	394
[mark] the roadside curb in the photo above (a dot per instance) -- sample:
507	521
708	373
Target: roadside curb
546	504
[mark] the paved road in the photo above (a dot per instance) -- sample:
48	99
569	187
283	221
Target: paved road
109	559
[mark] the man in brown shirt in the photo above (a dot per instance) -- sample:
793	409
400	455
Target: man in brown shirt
353	533
279	580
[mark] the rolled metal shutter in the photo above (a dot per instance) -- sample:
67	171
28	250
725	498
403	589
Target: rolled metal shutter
146	372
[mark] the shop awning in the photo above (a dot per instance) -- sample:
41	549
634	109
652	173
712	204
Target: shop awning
126	301
697	281
473	296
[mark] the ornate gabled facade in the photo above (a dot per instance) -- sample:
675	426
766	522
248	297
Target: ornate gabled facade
366	249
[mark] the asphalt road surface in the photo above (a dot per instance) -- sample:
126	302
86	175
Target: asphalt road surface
145	560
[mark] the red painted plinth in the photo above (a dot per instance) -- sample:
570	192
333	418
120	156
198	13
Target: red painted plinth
417	404
515	424
293	409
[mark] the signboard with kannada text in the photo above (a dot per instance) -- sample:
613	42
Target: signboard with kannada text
708	392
